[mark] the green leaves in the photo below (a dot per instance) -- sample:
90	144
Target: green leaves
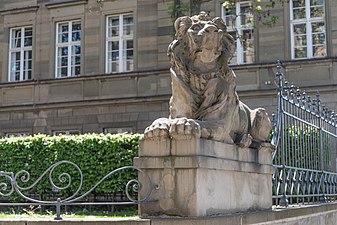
95	154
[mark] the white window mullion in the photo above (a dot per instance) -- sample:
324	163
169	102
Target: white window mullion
309	40
308	28
56	50
292	41
10	56
238	23
292	36
70	30
107	46
121	42
22	59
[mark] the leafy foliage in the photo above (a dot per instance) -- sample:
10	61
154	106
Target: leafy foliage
95	154
260	9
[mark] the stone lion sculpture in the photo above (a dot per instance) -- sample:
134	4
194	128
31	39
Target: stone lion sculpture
204	101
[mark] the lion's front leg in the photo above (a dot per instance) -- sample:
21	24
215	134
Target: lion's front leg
178	128
183	128
159	129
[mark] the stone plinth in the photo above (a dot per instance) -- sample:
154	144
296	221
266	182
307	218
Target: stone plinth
199	177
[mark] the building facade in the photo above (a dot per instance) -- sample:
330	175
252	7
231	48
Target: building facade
83	66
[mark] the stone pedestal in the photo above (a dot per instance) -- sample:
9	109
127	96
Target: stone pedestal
198	177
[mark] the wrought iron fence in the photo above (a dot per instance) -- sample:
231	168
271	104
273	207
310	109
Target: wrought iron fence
305	134
14	184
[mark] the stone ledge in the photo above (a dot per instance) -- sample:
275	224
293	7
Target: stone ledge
201	162
204	147
327	213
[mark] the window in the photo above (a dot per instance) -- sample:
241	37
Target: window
308	37
119	44
65	132
118	130
20	54
68	49
16	134
239	23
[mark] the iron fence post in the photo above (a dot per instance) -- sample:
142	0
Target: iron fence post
284	200
58	210
321	153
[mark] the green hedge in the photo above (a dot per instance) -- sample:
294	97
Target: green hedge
95	154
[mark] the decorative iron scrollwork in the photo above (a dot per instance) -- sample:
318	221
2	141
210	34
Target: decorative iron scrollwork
12	184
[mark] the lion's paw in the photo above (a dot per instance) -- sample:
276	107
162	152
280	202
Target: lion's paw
158	130
183	128
245	141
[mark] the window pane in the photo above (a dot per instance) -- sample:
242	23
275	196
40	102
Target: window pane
113	46
75	70
28	37
298	3
16	38
230	17
129	65
129	44
318	27
318	38
246	16
113	29
300	40
63	33
114	67
233	60
128	25
76	32
129	54
301	52
248	46
64	51
317	11
76	49
15	66
27	65
128	30
114	56
75	60
128	19
63	72
114	21
247	39
299	13
319	51
300	29
316	2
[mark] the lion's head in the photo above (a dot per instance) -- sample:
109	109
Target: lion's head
202	44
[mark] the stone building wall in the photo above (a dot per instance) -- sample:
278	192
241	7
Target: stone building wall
94	100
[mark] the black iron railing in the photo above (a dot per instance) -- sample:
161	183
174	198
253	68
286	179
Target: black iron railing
14	184
305	134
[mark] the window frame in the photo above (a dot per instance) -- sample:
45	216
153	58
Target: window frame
69	44
122	55
239	30
66	132
22	49
308	21
16	134
118	130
